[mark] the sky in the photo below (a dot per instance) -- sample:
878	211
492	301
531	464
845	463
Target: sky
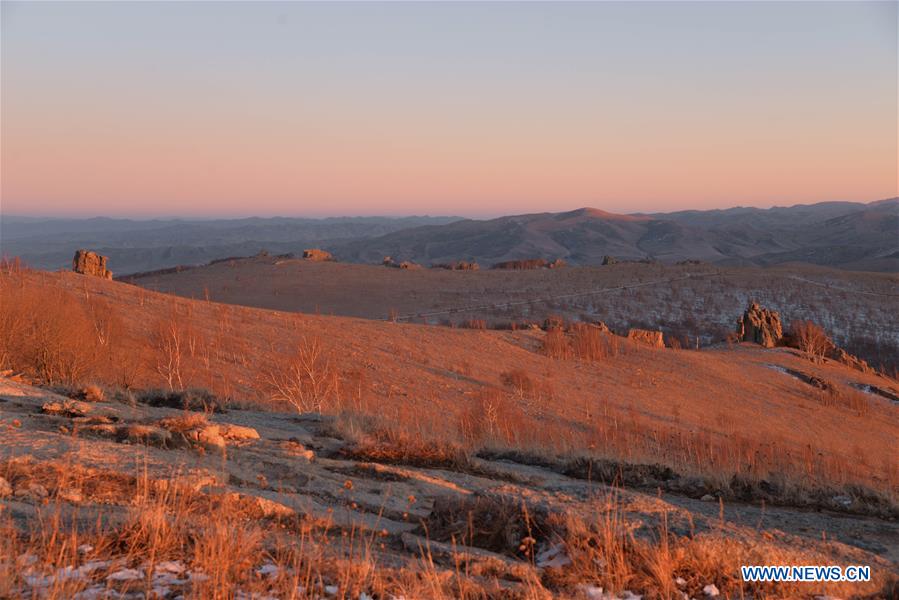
146	109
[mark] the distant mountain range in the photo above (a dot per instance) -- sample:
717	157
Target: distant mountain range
133	245
847	235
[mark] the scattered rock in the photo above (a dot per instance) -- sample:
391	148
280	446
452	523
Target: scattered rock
760	325
209	435
262	507
237	432
708	498
406	264
67	408
87	262
298	450
34	491
649	338
842	500
317	254
125	575
711	591
70	495
5	488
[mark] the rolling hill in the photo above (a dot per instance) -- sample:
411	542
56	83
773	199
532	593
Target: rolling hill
839	234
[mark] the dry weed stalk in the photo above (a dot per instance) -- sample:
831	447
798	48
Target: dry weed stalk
306	379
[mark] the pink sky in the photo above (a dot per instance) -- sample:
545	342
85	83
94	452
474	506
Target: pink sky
301	109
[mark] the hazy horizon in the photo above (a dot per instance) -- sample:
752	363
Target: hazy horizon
211	217
476	109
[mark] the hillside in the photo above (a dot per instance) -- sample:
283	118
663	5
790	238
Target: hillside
684	301
846	235
428	420
422	421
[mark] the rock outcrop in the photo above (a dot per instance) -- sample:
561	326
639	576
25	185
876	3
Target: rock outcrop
838	354
406	264
649	338
87	262
760	325
317	254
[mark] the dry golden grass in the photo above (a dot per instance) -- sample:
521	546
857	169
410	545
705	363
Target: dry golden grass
719	414
218	552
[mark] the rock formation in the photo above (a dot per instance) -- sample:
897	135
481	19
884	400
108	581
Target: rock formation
760	325
838	354
406	264
87	262
644	336
317	254
556	264
609	260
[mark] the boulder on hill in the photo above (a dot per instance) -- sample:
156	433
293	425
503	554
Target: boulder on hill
760	325
649	338
317	254
406	264
88	262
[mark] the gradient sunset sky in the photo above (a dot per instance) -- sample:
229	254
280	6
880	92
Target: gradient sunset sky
249	108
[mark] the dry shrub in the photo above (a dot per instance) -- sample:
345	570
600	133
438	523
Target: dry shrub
520	382
493	418
605	550
592	344
810	338
374	440
848	399
184	422
583	341
307	379
491	522
480	324
92	393
556	344
191	399
46	332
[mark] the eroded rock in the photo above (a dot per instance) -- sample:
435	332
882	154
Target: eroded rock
237	433
760	325
317	254
88	262
649	338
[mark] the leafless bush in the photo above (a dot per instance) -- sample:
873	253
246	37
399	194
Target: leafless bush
852	400
584	342
810	338
45	332
556	345
520	382
306	379
170	345
475	324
